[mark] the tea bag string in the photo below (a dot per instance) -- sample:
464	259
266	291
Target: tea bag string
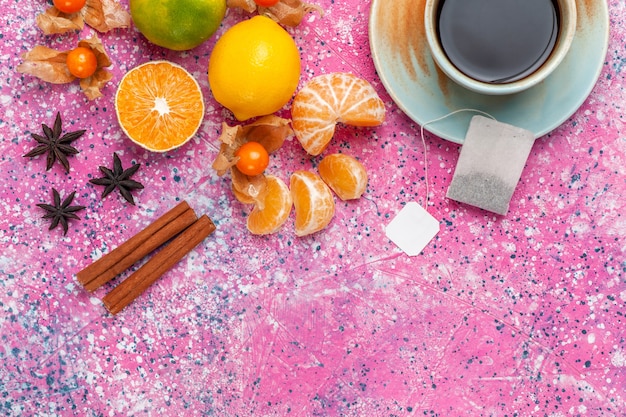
438	119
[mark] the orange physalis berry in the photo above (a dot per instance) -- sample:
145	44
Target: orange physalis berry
82	62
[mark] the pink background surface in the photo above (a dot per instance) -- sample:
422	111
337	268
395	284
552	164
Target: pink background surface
514	315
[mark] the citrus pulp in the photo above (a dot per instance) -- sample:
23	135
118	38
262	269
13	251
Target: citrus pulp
344	174
269	215
313	202
159	105
329	99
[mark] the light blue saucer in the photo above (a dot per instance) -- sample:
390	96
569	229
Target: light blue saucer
424	93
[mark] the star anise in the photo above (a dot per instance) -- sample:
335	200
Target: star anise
118	178
61	212
57	146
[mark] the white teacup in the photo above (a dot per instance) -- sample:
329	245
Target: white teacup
486	53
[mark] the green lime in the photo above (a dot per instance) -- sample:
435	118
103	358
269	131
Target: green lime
177	24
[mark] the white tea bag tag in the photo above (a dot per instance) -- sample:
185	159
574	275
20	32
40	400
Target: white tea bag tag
412	229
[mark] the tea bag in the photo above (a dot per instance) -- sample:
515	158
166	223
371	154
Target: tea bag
490	165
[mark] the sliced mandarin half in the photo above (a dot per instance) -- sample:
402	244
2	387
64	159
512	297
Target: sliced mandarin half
269	214
344	174
159	105
313	202
329	99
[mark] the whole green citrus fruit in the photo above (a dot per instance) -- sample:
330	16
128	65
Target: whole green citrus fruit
177	24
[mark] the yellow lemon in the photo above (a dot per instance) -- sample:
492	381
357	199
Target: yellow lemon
254	68
177	24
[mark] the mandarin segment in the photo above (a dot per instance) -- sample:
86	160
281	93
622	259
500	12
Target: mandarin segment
313	202
159	105
344	174
329	99
269	215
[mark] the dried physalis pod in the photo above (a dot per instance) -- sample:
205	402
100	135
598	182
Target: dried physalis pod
54	21
247	5
269	131
105	15
285	12
102	15
290	12
248	190
50	65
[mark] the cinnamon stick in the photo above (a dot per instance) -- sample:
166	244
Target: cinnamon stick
137	247
133	286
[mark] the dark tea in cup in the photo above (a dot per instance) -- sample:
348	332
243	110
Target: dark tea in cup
498	41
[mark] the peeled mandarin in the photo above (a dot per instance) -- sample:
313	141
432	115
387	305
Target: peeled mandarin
313	202
344	174
329	99
269	215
